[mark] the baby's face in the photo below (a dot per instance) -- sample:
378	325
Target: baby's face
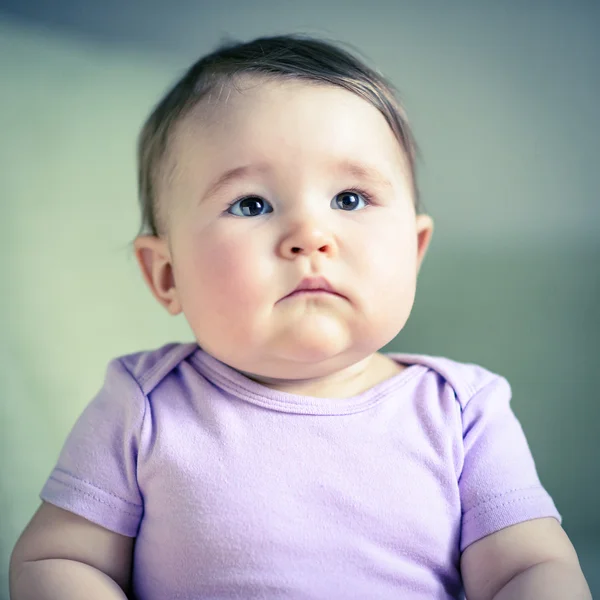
286	181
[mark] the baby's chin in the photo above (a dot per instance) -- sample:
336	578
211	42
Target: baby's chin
317	345
303	357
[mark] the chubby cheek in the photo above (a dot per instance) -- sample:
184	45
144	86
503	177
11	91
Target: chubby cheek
390	268
228	279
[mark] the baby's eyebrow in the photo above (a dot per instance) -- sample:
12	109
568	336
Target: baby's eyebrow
232	174
346	167
361	171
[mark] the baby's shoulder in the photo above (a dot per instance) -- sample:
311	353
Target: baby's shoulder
148	368
465	378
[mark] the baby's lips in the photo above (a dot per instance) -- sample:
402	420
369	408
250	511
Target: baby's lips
316	284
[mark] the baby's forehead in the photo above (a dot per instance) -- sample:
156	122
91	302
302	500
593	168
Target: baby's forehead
231	128
245	93
278	108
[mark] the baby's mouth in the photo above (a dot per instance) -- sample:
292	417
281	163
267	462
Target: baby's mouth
313	286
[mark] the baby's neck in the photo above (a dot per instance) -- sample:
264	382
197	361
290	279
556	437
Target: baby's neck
350	382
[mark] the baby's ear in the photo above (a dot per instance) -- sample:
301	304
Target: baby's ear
424	233
154	259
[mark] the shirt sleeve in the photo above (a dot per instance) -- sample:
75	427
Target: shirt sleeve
95	476
499	485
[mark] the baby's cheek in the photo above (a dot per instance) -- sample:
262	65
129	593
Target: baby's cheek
231	272
391	266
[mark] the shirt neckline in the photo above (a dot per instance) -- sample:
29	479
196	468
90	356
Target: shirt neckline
251	391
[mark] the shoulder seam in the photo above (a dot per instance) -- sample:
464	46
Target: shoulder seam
464	390
139	389
150	379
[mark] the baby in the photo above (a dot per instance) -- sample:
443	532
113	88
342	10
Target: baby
283	455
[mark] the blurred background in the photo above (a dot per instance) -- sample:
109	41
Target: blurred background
503	98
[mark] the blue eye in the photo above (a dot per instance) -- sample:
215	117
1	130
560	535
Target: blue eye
250	206
349	200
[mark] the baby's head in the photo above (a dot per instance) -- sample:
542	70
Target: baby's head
269	163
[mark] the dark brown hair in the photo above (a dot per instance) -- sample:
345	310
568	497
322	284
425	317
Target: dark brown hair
290	56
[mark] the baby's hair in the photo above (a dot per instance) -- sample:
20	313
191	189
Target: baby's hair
289	57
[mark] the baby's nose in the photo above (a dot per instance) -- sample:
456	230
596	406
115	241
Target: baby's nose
305	241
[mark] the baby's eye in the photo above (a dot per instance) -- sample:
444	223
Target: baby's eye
250	206
349	200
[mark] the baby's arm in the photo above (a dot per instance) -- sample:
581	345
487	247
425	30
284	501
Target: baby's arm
61	556
534	559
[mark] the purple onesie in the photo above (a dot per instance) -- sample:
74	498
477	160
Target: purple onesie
234	490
